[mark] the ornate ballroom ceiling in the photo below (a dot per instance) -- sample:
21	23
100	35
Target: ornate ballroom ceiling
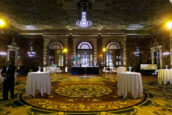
54	14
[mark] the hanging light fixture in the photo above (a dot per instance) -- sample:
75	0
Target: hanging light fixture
84	23
31	53
137	52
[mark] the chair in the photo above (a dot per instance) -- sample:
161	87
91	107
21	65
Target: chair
114	70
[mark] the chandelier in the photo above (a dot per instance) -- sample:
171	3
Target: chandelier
31	53
84	23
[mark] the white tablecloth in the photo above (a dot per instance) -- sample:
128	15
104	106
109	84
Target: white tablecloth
40	81
52	69
121	69
130	82
164	76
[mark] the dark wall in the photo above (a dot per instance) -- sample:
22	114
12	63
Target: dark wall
144	44
164	40
25	43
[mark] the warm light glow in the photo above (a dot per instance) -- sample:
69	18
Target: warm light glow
104	50
3	53
100	55
169	25
166	53
2	23
65	50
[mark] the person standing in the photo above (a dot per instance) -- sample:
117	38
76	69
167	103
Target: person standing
8	72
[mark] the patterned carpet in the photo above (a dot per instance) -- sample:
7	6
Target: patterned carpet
82	97
63	85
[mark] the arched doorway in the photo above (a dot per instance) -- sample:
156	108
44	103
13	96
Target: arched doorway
85	54
113	54
56	54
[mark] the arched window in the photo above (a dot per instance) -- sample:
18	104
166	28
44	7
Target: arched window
84	54
113	54
55	54
85	45
113	45
56	45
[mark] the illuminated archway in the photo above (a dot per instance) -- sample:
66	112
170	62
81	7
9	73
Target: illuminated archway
55	54
113	54
84	54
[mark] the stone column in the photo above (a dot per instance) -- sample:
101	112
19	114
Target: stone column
74	50
170	47
152	55
160	56
74	47
8	54
16	57
66	54
95	52
124	51
45	51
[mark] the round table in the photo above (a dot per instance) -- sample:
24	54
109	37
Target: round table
40	81
165	76
130	82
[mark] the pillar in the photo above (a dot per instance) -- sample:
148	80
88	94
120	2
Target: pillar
170	47
124	52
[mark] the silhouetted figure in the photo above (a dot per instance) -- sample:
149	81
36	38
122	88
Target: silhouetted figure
149	61
8	72
101	66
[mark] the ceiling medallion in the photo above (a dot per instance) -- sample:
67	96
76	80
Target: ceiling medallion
84	23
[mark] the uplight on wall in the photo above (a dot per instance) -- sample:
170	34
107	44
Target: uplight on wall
3	53
104	49
169	25
166	53
65	50
2	23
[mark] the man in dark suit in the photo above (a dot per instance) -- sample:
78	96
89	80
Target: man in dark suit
8	73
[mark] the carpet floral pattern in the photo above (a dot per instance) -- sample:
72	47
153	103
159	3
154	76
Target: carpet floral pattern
82	97
83	90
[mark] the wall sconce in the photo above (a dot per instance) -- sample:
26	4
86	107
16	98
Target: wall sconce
100	55
65	50
166	53
3	53
104	50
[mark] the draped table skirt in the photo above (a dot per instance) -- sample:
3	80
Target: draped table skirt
38	81
130	82
165	76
